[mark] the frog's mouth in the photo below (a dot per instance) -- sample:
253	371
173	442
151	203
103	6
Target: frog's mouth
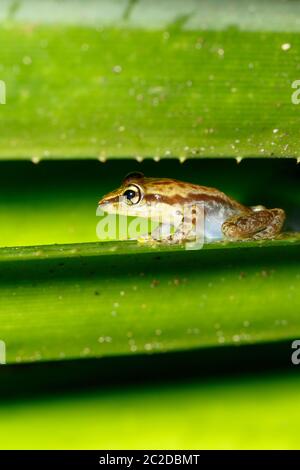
109	199
116	205
108	206
104	204
111	203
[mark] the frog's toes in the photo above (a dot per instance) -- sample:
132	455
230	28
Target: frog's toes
147	241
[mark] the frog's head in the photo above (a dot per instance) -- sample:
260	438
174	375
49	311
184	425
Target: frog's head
127	198
139	196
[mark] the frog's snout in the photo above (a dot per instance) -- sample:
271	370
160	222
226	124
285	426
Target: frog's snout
103	202
109	199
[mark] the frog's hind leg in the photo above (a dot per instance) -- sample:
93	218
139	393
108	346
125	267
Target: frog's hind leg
259	224
275	226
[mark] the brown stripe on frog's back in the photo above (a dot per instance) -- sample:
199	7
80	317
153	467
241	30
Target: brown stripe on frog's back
190	197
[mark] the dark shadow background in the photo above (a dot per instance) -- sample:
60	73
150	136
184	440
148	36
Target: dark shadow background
42	380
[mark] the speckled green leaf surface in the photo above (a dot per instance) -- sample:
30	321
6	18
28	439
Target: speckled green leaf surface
90	306
85	79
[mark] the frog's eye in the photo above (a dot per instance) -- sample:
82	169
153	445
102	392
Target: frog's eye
132	195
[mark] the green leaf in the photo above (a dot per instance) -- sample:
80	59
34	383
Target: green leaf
90	301
128	80
88	81
201	412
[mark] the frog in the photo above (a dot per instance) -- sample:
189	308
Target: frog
166	200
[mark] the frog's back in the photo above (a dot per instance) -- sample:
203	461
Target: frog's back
216	206
173	191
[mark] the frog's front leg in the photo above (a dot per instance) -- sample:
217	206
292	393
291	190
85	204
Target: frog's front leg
169	234
259	224
191	226
183	232
163	233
